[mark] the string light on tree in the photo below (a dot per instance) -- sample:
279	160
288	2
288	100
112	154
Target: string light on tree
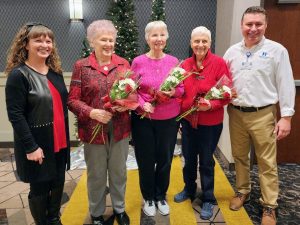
158	13
121	13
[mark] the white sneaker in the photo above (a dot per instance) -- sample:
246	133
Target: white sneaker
177	150
149	208
163	207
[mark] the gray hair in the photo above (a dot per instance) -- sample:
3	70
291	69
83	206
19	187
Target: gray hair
201	31
155	24
100	26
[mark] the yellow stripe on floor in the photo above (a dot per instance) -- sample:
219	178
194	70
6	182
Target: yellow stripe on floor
133	197
76	210
223	193
77	207
180	213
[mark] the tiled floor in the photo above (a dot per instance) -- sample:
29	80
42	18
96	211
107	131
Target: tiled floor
13	193
14	204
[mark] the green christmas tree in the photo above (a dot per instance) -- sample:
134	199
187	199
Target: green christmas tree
158	13
121	13
158	10
86	50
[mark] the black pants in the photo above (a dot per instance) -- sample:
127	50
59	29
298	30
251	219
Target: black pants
200	142
43	188
154	143
45	196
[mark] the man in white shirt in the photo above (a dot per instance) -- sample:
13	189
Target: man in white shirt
262	76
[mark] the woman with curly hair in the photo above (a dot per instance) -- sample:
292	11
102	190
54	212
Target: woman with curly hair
36	99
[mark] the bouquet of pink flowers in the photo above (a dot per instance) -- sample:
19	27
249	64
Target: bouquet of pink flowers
174	78
122	93
223	90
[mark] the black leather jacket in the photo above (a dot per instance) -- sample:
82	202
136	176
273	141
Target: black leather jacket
39	105
30	111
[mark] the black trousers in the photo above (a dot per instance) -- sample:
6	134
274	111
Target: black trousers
43	188
154	143
199	145
45	196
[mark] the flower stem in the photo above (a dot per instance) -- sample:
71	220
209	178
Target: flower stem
95	132
193	109
143	115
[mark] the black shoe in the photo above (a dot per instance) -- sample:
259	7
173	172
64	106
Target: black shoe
54	221
97	220
122	218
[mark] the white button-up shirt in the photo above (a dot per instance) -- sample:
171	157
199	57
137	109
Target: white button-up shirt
262	75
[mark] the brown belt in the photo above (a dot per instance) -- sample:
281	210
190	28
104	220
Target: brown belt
249	109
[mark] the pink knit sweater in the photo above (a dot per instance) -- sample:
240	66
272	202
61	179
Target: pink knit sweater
153	72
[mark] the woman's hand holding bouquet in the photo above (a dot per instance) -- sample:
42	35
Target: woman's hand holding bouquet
122	97
101	115
222	91
166	89
148	107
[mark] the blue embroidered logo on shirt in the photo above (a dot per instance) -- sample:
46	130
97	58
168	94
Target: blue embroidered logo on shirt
264	55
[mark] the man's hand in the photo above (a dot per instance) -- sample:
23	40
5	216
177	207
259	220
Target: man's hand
283	127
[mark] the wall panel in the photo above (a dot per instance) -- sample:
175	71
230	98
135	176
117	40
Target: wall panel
181	17
284	27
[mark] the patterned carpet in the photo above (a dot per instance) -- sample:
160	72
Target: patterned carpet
288	212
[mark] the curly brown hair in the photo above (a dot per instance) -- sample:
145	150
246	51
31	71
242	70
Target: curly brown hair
18	54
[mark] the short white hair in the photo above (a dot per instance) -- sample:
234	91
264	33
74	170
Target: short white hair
155	24
201	31
100	26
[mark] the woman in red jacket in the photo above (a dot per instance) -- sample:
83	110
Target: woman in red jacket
202	129
106	153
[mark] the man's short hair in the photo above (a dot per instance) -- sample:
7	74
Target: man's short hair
254	10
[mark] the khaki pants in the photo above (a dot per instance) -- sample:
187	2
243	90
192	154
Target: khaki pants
257	127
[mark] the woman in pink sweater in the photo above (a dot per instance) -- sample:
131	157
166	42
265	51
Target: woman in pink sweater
155	135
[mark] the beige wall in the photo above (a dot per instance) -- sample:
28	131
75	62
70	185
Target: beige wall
229	13
5	127
6	133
